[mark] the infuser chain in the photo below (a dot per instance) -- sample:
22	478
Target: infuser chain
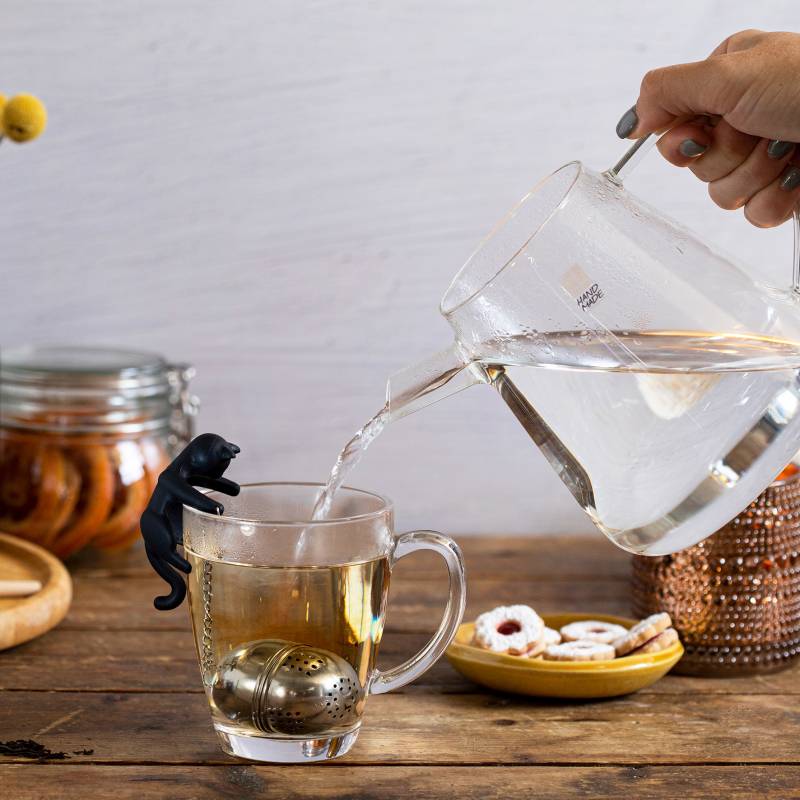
201	463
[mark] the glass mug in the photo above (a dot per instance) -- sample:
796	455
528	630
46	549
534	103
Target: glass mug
288	615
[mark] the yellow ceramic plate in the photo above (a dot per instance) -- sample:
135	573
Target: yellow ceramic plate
575	679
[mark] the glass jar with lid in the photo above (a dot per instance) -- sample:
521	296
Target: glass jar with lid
84	434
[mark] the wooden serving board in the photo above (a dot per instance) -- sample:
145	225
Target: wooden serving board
24	618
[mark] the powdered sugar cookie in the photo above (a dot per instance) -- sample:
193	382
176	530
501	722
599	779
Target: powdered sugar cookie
536	649
551	636
583	650
509	629
642	632
594	630
659	642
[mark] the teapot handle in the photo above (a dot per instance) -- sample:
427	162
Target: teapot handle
634	154
630	158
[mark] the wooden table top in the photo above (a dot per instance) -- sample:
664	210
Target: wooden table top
116	688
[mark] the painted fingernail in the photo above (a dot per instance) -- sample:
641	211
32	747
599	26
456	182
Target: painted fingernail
790	179
778	149
627	123
691	149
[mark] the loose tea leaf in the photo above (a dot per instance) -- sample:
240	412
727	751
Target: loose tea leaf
28	748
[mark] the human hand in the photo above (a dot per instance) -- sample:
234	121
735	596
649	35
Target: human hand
736	117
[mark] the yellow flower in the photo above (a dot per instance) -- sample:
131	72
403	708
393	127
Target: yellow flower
24	118
3	99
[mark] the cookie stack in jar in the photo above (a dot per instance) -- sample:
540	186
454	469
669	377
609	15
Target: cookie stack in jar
84	433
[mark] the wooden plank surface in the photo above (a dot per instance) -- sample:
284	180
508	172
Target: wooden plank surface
433	729
121	680
164	661
341	782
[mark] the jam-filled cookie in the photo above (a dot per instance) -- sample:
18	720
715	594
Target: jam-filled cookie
509	629
659	642
594	630
551	636
583	650
642	632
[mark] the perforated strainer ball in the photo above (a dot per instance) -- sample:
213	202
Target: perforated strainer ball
287	688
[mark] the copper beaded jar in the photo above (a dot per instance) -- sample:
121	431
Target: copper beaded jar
734	598
84	433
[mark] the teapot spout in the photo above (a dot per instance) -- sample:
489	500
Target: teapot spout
428	381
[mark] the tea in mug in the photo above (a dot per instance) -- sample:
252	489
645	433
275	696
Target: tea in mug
336	608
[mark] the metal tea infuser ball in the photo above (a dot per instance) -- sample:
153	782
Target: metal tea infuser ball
287	688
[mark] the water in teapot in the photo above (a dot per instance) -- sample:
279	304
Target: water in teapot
658	452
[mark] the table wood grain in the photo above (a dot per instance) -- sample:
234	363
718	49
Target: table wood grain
116	687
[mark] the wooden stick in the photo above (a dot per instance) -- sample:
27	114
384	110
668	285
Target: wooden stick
19	588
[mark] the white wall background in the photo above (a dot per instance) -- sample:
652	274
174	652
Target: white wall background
280	192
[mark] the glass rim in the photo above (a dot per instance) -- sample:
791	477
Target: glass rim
386	507
578	168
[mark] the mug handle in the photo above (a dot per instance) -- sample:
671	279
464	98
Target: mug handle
454	610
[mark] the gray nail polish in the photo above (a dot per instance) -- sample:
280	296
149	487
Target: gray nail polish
778	149
627	123
691	148
791	179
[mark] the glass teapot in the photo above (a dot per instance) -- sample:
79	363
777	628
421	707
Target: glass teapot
659	380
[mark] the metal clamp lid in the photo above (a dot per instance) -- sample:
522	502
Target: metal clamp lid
184	404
